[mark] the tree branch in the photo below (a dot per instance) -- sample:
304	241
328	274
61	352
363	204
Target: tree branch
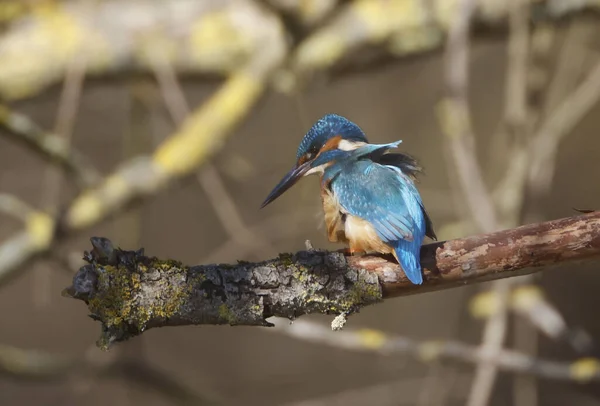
130	292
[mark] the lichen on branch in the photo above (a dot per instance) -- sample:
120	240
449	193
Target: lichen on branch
130	292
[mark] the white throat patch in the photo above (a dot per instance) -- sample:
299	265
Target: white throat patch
319	169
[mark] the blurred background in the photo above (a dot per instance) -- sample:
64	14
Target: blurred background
164	125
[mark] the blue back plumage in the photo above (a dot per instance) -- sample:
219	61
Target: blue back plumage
326	127
385	197
341	159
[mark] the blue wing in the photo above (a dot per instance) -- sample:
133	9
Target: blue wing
382	196
388	200
410	167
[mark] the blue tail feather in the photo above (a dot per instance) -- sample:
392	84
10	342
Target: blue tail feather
408	253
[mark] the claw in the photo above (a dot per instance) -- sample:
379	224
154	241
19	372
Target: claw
352	251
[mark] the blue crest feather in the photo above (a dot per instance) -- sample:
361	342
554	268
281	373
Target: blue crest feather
327	127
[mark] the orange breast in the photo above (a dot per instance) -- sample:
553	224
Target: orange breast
333	217
345	228
363	237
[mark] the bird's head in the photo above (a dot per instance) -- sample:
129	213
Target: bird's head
328	139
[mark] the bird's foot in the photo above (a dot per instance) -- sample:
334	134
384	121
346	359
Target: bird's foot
353	251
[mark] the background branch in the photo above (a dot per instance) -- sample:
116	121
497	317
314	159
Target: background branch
14	207
216	37
199	136
50	146
456	122
370	340
32	365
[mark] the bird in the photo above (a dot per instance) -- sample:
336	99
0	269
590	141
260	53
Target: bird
370	201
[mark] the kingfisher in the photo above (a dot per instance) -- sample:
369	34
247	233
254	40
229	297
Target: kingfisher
370	201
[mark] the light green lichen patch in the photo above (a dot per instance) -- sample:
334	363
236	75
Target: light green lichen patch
126	299
168	265
364	293
287	259
339	294
301	274
226	314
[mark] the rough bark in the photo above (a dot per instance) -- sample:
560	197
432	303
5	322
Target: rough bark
130	292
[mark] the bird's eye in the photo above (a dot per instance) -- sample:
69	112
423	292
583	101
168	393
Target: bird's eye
309	155
312	152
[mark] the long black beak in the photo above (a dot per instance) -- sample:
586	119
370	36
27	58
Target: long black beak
287	182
